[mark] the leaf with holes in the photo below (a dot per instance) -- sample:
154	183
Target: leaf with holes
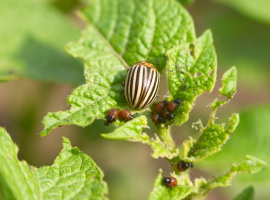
213	136
120	34
250	165
132	131
73	175
163	149
253	135
17	179
183	189
191	70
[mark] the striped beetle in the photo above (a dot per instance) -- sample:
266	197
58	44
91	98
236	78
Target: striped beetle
141	85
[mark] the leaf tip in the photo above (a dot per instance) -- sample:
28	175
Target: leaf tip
105	135
208	32
247	194
250	165
43	133
256	161
229	83
66	143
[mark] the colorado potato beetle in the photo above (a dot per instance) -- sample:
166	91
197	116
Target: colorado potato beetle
111	117
141	85
183	166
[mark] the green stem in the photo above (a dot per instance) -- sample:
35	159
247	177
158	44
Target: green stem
164	132
214	106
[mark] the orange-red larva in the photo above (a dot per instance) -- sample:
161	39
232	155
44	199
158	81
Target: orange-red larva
170	181
126	115
111	116
172	105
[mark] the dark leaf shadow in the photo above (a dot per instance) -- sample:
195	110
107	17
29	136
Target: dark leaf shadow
46	63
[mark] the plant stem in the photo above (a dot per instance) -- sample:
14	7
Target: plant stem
214	106
164	132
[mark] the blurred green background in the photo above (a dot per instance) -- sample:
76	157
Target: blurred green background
41	75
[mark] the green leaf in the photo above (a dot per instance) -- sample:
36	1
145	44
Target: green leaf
212	138
187	146
103	89
256	9
132	131
141	30
17	179
90	101
229	81
249	165
161	192
118	37
162	149
253	135
213	135
191	70
246	194
32	41
73	175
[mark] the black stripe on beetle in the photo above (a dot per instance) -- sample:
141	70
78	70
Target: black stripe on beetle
141	85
